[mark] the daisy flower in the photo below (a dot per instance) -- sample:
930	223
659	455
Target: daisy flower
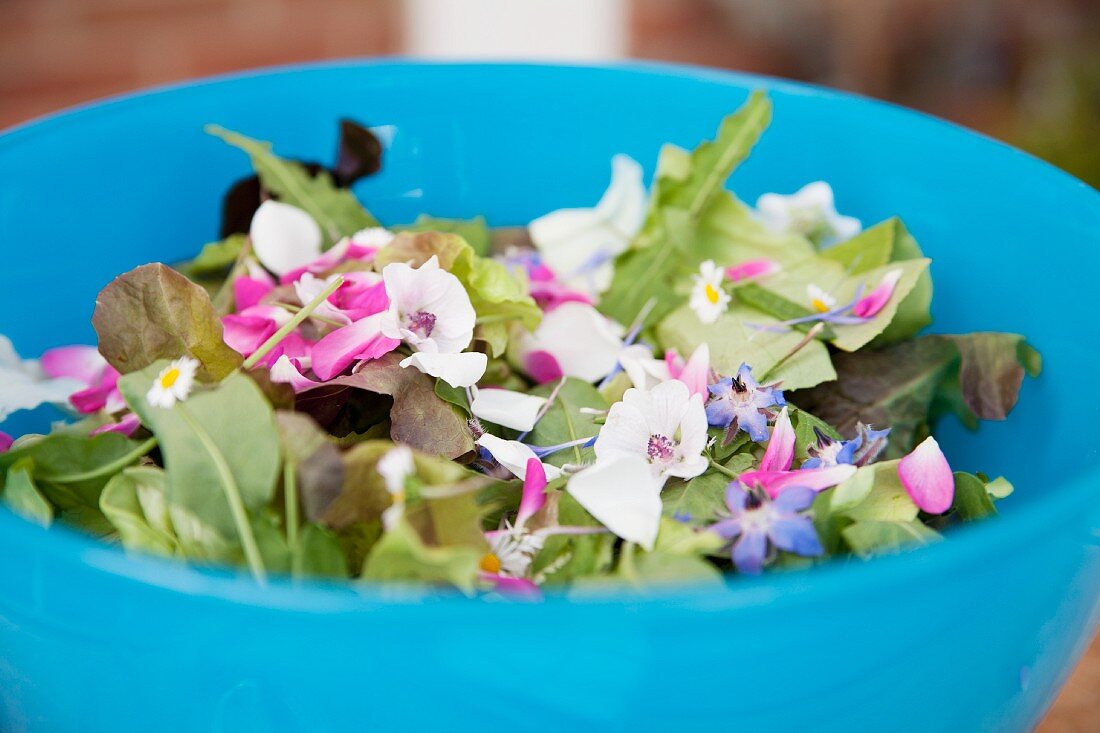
820	300
708	299
174	383
395	467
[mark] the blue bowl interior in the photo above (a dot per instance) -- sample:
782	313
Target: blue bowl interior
983	624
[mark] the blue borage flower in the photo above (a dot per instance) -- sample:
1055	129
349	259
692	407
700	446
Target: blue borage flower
754	524
859	451
740	402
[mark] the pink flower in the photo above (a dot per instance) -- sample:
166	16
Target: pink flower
84	364
250	289
126	425
360	247
775	474
752	269
869	305
360	340
927	477
247	330
695	373
5	442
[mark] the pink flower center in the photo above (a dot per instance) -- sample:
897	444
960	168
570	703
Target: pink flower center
421	323
660	448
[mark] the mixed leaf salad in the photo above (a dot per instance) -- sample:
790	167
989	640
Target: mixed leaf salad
666	387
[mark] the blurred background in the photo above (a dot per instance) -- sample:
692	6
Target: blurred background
1025	71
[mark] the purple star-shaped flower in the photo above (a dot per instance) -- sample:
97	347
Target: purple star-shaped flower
739	402
859	451
754	522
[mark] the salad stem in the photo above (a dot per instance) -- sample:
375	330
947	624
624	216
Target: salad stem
232	495
290	500
293	323
720	468
810	336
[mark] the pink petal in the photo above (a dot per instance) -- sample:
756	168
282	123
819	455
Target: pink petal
360	298
927	477
126	425
293	345
82	363
674	363
780	452
870	304
5	441
542	366
752	268
286	370
361	340
249	291
520	588
817	479
245	334
696	373
99	396
534	495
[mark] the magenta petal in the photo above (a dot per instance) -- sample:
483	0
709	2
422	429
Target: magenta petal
126	425
696	373
927	477
817	479
534	495
249	291
361	340
543	367
244	334
780	452
869	305
82	363
514	587
5	441
752	268
360	300
286	370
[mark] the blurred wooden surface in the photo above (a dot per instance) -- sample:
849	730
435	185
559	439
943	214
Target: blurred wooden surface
54	53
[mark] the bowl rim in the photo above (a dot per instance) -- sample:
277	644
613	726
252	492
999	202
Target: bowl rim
969	544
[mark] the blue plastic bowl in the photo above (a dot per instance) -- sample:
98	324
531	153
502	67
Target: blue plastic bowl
975	633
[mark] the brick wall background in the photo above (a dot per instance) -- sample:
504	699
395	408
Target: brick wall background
1023	70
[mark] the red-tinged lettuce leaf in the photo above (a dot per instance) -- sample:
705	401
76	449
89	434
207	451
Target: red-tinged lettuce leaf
991	370
153	313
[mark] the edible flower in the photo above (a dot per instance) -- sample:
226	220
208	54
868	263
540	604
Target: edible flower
24	384
623	493
580	245
284	237
85	364
820	300
708	299
359	247
665	426
859	451
774	474
927	477
741	403
395	467
695	373
6	442
810	211
645	372
870	305
507	408
513	455
543	283
751	269
573	340
754	523
174	383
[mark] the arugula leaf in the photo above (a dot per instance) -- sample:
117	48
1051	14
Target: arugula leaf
739	336
216	257
21	494
154	312
564	422
335	209
229	424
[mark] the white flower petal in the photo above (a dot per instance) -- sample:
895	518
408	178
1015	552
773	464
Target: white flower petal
644	371
515	410
395	467
457	370
810	209
585	343
284	237
514	455
577	244
623	495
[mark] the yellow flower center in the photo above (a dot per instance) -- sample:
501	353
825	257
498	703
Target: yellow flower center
712	293
490	564
169	378
820	305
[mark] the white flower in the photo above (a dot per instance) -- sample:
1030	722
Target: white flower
511	551
174	383
584	343
24	386
623	494
371	237
284	237
644	371
308	287
458	370
515	410
708	299
395	467
666	426
820	300
429	308
579	245
810	212
514	455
